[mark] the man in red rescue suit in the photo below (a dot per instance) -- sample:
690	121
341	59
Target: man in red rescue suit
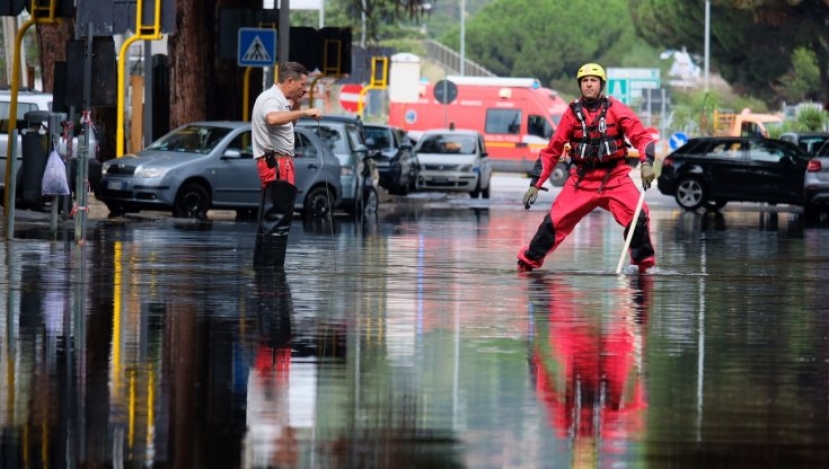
272	128
595	128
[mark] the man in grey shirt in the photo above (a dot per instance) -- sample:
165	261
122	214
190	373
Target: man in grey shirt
272	127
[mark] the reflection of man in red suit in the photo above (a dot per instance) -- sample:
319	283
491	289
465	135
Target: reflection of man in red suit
587	361
270	439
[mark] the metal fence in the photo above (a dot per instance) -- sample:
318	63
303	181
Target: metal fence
451	60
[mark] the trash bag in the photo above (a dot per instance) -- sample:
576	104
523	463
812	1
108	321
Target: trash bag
54	177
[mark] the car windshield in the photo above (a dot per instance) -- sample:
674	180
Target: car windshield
447	144
198	139
377	139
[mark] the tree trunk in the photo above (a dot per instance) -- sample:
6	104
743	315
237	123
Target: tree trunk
188	51
204	86
55	37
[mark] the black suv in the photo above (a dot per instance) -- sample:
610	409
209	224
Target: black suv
392	151
712	171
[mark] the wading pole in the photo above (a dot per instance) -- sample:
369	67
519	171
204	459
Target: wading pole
629	237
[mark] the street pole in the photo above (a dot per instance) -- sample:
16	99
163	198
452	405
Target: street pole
462	68
283	31
707	41
363	23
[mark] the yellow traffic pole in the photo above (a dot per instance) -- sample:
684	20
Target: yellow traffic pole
147	33
18	41
246	95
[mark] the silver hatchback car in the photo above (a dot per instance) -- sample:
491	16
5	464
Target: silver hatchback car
210	165
817	183
454	160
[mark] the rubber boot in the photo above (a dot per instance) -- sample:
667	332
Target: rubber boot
276	211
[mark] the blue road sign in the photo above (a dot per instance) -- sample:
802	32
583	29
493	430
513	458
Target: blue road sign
677	140
257	47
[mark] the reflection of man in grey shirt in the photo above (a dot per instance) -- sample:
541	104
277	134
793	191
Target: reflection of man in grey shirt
272	128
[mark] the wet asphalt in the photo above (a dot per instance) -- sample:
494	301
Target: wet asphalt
408	339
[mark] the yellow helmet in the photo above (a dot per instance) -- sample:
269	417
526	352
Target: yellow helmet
591	70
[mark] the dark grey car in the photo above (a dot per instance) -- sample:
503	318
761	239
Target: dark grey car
393	153
210	165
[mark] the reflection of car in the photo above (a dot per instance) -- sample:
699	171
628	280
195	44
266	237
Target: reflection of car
359	175
454	160
208	165
392	151
712	171
809	142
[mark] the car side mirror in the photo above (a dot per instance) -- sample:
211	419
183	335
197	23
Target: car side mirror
232	153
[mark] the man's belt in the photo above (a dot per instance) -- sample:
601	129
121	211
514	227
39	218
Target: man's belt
271	156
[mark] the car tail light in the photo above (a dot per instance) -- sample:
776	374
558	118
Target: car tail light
814	166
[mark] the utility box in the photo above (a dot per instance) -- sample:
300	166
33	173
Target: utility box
38	139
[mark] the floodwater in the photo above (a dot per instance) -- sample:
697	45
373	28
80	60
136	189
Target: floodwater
409	341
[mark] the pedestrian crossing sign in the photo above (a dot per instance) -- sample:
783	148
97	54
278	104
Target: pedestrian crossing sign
257	47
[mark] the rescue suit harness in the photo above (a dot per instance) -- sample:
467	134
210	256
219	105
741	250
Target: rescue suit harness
590	153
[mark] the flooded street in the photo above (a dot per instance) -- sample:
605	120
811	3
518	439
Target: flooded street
410	340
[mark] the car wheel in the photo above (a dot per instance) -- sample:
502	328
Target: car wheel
192	201
811	213
559	175
115	210
714	205
485	192
403	186
690	194
477	191
371	201
318	203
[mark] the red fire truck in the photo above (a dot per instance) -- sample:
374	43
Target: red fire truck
517	116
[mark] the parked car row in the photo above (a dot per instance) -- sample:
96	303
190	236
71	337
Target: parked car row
710	172
339	162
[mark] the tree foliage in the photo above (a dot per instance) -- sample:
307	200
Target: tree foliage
551	40
748	38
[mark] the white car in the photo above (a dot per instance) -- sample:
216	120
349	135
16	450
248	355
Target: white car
454	161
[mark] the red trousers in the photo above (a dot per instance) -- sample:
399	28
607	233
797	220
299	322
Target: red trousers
615	192
285	167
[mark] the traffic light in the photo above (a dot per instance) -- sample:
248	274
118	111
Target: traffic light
11	7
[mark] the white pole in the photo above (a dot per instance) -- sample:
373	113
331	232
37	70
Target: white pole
462	68
322	14
707	41
629	237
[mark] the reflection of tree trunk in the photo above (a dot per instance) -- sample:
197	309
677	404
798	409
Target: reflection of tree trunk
180	363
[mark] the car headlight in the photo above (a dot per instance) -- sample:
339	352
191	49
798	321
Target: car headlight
150	172
104	169
465	167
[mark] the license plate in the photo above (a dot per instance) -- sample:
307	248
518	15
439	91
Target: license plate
440	179
116	185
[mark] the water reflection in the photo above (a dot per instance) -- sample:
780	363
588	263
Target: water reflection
405	342
588	368
270	440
